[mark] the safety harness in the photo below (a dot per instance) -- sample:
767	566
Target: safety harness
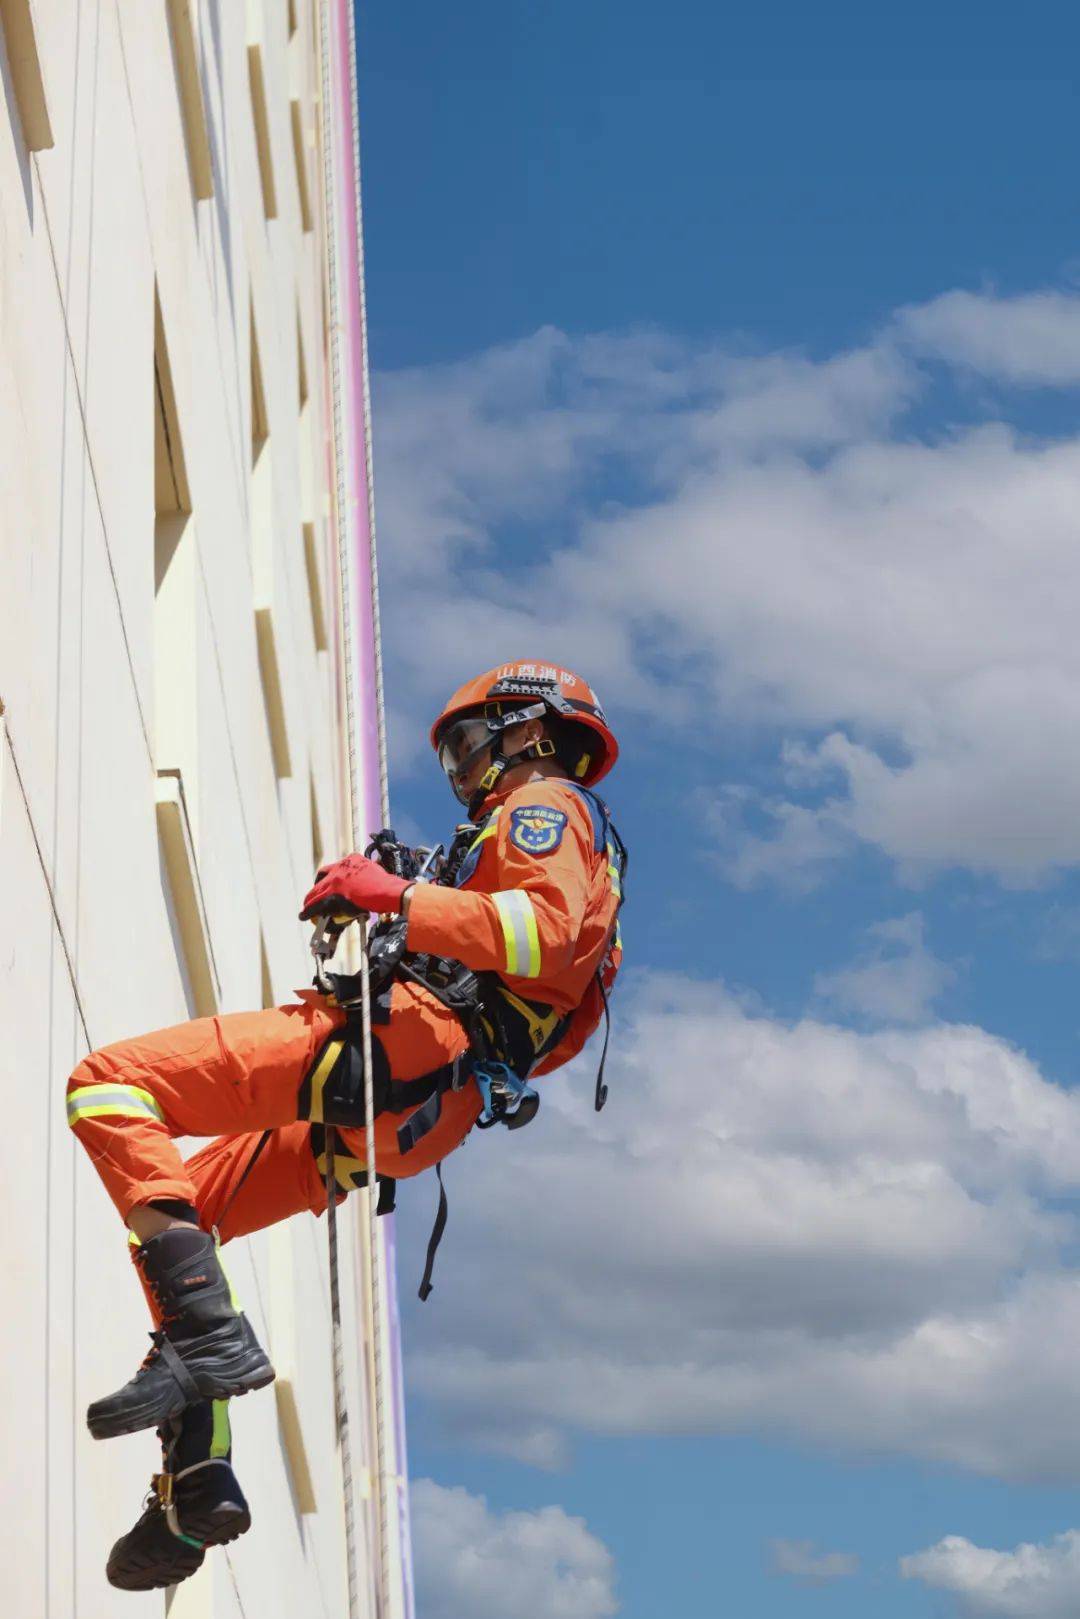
507	1034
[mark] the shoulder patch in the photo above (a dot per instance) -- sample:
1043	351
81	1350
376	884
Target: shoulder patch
537	828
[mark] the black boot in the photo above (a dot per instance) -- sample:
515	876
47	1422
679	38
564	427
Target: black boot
194	1502
205	1350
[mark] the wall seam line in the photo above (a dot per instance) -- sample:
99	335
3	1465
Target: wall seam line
93	469
48	883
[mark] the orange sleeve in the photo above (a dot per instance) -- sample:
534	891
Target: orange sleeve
537	876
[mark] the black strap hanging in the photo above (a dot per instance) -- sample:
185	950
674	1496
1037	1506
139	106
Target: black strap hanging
248	1167
601	1088
436	1237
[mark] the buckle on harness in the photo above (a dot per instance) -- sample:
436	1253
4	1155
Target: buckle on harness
507	1099
163	1488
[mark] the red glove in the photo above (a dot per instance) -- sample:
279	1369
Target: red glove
353	884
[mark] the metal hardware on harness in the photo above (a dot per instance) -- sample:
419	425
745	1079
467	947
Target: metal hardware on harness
324	943
430	866
507	1098
415	865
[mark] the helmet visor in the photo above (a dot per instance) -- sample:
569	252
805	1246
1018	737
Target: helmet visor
462	741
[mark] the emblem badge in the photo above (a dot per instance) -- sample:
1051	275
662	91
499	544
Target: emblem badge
536	828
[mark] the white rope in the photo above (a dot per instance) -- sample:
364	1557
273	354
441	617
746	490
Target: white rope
384	774
341	1410
384	1481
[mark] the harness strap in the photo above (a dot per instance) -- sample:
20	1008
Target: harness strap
436	1237
419	1124
176	1366
208	1461
406	1093
165	1487
350	1173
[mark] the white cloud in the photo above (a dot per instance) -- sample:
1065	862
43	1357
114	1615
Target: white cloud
803	1562
756	545
784	402
515	439
473	1563
1030	1582
853	1238
895	979
909	601
1031	339
800	845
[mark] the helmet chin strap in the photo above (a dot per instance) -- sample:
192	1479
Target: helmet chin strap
494	773
542	748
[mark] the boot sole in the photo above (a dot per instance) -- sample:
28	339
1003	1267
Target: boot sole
112	1426
220	1527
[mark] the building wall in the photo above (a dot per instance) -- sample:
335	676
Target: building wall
172	756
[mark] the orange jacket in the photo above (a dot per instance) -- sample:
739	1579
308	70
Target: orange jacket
536	902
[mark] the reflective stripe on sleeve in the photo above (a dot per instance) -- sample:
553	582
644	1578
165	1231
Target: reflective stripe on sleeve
489	830
112	1101
519	932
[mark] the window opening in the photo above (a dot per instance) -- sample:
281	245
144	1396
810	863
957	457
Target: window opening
182	22
27	80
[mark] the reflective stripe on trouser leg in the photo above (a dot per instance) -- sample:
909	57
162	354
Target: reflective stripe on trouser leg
221	1442
233	1300
237	1073
520	933
112	1101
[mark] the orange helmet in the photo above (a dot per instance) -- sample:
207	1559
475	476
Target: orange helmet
511	694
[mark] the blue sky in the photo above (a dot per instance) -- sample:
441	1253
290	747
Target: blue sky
735	361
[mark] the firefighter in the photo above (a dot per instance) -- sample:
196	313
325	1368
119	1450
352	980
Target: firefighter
499	973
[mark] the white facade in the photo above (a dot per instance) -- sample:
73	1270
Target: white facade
172	759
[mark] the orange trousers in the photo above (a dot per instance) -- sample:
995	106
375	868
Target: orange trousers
240	1074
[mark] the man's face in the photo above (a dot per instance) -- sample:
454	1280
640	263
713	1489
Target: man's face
468	780
467	783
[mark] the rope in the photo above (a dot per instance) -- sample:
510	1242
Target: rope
341	1414
371	1195
369	459
383	1481
341	1407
